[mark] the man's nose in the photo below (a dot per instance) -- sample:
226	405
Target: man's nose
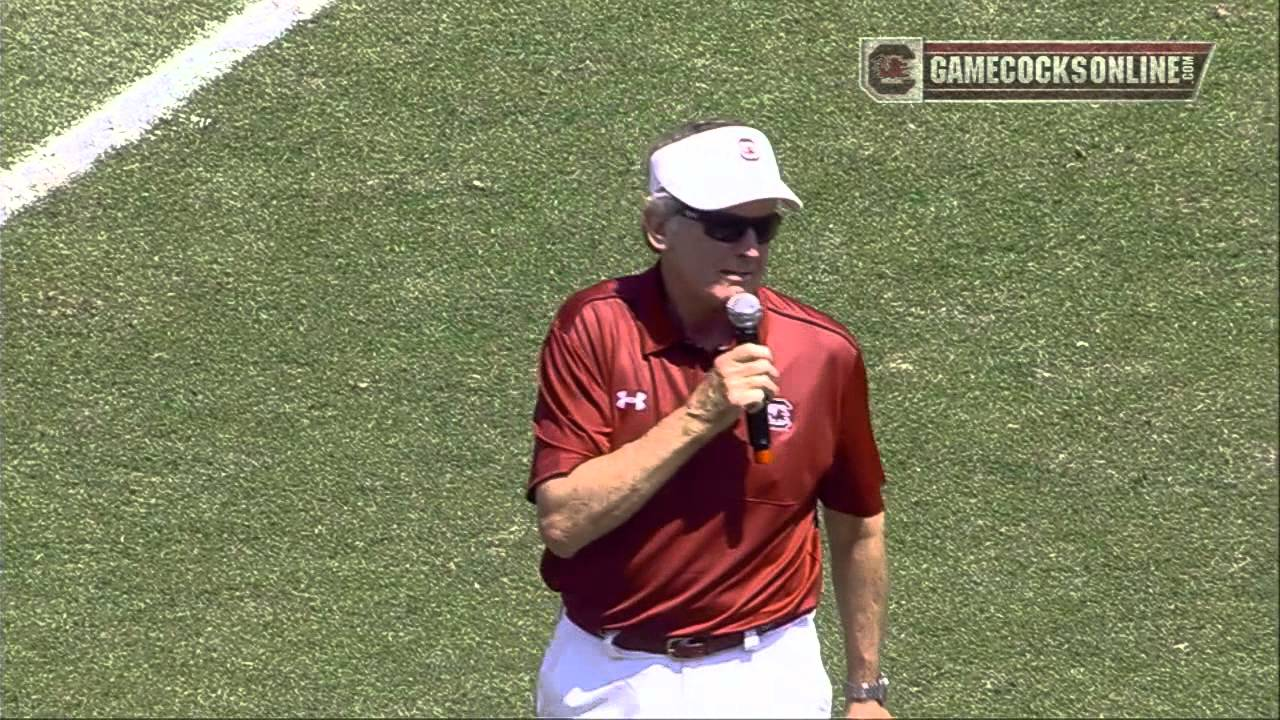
749	244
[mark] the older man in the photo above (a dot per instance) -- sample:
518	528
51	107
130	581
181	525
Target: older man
689	571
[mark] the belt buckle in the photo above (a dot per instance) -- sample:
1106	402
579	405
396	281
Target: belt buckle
684	648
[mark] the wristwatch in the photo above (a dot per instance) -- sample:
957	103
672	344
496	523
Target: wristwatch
877	690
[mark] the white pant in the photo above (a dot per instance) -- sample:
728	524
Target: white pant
781	676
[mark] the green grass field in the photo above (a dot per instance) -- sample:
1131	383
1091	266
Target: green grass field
61	58
267	379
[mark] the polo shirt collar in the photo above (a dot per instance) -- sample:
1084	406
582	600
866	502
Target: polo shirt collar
659	329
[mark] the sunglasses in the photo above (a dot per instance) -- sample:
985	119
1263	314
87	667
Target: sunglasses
729	228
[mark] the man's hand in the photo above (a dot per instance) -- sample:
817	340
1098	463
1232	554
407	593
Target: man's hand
602	493
743	379
866	709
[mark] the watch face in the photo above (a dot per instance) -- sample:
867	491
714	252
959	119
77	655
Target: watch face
877	690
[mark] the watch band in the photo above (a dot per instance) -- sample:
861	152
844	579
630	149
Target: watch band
877	690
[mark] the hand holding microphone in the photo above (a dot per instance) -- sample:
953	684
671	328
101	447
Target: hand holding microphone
742	379
745	314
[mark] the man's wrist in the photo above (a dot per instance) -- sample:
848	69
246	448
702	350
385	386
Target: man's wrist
705	414
696	423
872	691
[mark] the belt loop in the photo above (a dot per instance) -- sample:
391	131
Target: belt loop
750	640
610	649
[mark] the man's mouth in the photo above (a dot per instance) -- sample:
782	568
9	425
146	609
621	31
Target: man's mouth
736	275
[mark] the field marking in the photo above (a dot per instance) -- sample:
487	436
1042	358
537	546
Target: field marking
127	116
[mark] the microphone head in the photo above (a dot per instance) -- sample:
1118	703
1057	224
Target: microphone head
744	311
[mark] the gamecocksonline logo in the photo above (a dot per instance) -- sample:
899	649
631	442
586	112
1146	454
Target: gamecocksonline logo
915	70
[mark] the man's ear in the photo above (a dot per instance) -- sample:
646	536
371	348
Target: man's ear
654	225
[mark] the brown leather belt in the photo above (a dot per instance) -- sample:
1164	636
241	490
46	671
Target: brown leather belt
693	646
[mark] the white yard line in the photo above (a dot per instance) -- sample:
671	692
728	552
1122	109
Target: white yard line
127	116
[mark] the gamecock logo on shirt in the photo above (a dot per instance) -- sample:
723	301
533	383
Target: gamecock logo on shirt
779	413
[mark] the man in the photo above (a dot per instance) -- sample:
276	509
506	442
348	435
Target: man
688	571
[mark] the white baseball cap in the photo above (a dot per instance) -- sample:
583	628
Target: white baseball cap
719	168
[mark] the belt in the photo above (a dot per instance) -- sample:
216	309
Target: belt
693	646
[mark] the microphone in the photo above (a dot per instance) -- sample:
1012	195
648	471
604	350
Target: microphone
744	314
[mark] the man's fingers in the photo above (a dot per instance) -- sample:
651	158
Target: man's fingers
748	375
755	367
728	366
765	397
752	382
746	360
747	352
752	392
761	399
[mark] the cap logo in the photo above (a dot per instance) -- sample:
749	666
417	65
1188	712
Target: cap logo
747	149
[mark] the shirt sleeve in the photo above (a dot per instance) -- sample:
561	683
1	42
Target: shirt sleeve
572	421
852	485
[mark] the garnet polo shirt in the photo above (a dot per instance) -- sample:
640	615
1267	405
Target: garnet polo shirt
726	544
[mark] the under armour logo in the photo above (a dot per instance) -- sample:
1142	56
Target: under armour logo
636	401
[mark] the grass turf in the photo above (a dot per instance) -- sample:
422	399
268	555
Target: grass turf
61	59
267	379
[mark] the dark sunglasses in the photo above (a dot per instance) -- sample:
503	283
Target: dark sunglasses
729	228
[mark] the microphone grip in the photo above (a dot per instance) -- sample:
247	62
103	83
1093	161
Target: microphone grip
758	419
758	432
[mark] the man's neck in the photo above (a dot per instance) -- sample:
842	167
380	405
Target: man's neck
709	331
703	324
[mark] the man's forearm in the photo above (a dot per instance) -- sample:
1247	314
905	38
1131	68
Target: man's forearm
603	492
859	571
